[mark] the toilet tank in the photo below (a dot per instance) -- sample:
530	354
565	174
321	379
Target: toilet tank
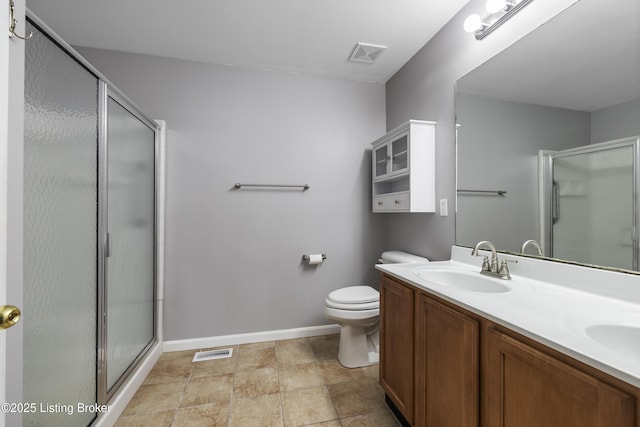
397	257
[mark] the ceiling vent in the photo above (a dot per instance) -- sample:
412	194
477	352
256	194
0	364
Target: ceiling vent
366	53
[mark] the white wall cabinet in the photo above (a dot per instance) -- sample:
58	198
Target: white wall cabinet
403	169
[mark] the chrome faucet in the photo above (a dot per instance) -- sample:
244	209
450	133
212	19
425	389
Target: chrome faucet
491	268
534	244
486	266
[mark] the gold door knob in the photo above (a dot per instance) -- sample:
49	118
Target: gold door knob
9	316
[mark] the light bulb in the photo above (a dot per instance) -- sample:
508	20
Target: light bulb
494	6
472	24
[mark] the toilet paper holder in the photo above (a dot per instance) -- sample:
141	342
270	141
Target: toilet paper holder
307	257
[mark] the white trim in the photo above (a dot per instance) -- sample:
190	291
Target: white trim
12	61
120	401
282	334
5	108
161	173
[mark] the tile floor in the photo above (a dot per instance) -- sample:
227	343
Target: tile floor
288	383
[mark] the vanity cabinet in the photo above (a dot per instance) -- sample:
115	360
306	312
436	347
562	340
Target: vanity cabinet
396	344
447	365
527	387
429	357
403	169
444	366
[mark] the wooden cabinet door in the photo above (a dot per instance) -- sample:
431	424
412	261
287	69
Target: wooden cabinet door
447	366
396	344
528	388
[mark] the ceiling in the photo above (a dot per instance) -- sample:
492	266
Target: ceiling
587	58
294	35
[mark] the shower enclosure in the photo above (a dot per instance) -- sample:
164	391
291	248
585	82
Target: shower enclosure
589	199
89	235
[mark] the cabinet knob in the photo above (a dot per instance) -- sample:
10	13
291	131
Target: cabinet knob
397	202
380	203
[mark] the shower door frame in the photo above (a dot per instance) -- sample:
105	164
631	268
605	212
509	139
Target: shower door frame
546	193
107	90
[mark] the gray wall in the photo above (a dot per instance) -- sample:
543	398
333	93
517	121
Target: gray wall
424	89
498	144
233	257
616	122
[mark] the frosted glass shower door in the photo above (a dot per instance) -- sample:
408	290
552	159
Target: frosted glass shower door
130	274
594	207
60	234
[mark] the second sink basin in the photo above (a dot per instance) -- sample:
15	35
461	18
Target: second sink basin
462	279
620	338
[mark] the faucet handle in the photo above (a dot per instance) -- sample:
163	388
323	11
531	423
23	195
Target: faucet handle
485	264
504	269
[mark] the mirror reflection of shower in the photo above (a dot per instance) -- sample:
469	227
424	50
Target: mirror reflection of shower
589	203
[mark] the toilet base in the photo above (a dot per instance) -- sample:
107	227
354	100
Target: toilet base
359	346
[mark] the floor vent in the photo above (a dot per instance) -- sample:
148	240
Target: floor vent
201	356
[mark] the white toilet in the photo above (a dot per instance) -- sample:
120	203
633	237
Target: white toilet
357	310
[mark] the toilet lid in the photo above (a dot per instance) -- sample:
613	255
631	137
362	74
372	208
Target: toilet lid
354	295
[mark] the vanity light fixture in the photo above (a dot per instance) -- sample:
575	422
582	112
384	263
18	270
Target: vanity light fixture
499	12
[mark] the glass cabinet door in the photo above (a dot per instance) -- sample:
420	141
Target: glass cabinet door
381	161
399	154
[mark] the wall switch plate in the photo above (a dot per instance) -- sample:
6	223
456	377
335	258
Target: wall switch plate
444	209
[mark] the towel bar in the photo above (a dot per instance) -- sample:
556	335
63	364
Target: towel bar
303	186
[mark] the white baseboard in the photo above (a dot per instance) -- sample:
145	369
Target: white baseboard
125	394
219	341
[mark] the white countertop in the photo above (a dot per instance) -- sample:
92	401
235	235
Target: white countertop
555	314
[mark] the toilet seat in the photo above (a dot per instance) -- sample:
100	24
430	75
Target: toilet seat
364	317
356	309
354	298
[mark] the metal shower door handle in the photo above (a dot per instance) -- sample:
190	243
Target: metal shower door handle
555	203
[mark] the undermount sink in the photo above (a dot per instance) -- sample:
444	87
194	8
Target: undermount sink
620	338
463	280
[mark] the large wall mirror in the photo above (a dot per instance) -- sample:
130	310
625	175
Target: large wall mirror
548	139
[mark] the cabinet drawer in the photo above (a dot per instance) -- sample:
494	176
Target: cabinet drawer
391	202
